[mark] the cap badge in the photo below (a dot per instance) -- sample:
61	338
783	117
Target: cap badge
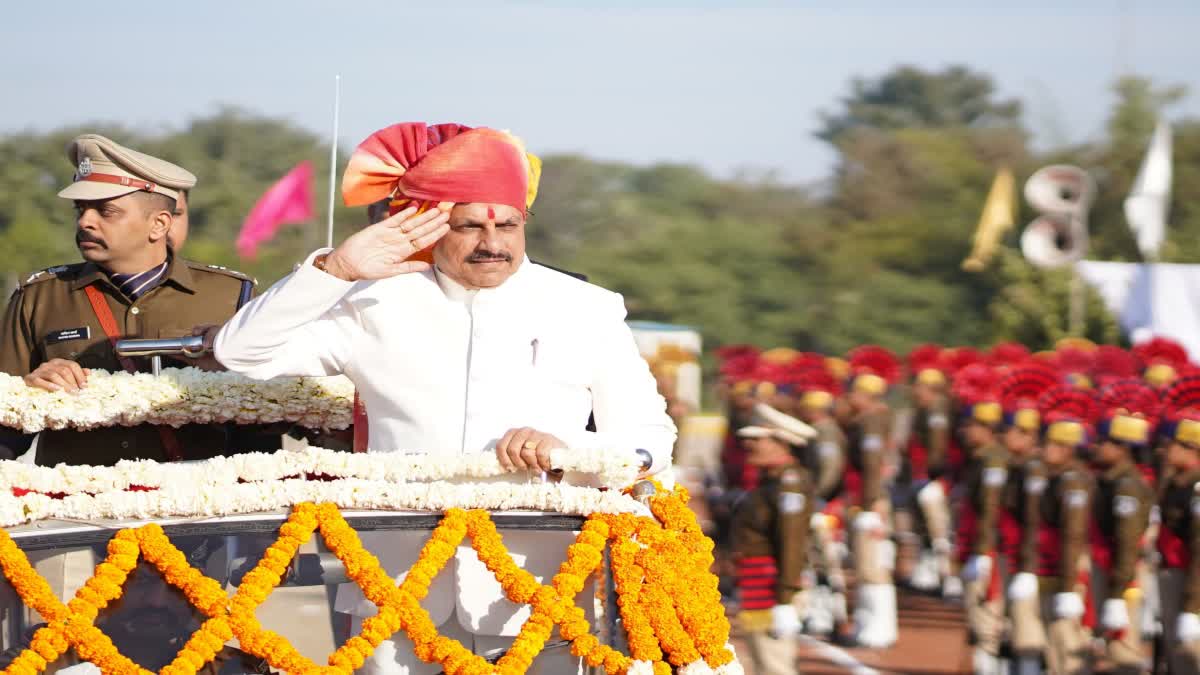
85	168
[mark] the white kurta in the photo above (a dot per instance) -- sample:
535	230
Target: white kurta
444	370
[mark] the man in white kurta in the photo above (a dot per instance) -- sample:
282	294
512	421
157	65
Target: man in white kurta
484	351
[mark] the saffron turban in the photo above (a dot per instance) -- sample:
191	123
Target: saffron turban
412	163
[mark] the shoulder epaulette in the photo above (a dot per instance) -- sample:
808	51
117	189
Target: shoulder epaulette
47	274
221	269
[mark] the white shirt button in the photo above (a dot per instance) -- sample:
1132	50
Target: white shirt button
134	310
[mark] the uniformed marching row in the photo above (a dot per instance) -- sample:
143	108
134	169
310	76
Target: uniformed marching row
1073	477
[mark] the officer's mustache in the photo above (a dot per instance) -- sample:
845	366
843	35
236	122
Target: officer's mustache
488	256
81	237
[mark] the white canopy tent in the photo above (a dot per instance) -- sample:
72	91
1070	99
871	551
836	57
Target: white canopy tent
1150	299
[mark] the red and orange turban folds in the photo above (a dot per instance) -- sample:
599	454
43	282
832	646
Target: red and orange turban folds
412	162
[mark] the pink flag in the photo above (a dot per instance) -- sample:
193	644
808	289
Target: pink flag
287	201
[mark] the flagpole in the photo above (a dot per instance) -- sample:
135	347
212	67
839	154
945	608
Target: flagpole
337	106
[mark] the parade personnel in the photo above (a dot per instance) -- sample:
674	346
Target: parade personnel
771	538
1179	534
819	391
61	322
1060	536
479	350
985	476
1019	391
923	469
1163	361
1120	515
868	421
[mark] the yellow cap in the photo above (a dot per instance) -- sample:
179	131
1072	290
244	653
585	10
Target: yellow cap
931	377
1066	432
1129	429
987	412
1082	344
1159	375
816	399
1027	419
1188	431
837	367
869	383
779	355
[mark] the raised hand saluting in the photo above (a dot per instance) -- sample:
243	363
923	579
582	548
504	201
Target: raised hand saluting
383	250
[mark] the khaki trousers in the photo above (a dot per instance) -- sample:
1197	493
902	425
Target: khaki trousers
1182	657
1068	651
874	554
772	656
985	616
1028	631
1124	651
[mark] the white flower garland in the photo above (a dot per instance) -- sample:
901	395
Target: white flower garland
264	482
177	397
610	469
214	500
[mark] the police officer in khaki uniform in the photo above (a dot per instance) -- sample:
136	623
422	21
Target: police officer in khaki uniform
771	538
827	453
1179	535
1120	515
60	322
1019	391
1060	535
985	476
868	424
924	466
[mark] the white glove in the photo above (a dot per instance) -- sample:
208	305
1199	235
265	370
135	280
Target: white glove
785	622
1024	585
869	521
933	494
1114	615
977	567
1068	605
1187	627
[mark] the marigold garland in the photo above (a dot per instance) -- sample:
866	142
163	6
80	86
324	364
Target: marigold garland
659	616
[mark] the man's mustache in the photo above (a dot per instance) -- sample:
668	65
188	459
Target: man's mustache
488	256
82	236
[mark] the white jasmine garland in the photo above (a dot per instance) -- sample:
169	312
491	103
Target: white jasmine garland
211	500
177	397
640	668
611	469
269	481
697	667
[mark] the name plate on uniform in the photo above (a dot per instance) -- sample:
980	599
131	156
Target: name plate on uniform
81	333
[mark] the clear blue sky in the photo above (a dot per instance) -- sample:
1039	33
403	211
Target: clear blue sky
723	84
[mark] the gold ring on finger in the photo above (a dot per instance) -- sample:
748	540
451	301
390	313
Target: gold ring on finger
530	445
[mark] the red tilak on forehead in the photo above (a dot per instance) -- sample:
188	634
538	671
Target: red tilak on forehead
491	213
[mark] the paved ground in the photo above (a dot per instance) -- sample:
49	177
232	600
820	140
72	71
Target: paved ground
932	642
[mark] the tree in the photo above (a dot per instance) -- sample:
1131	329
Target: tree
908	98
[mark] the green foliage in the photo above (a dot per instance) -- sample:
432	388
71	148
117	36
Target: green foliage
874	257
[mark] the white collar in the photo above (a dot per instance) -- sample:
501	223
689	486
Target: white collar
458	293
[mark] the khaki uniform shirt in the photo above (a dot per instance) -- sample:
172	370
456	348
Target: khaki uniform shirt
1180	504
827	454
49	316
1121	513
866	435
773	521
1027	478
932	428
986	475
1061	506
